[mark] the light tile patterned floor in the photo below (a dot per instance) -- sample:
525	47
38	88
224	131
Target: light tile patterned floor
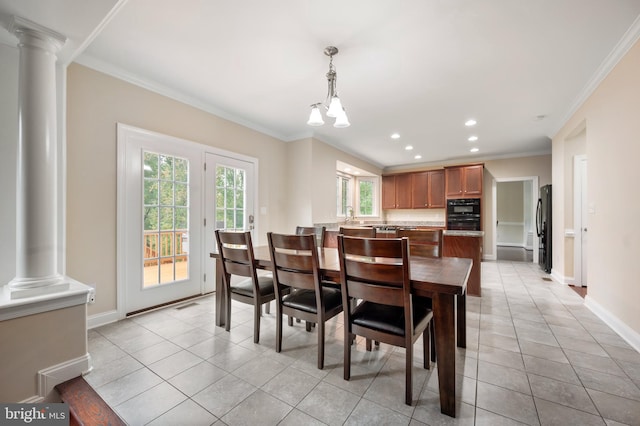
535	355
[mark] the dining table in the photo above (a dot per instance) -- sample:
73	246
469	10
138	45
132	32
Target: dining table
442	279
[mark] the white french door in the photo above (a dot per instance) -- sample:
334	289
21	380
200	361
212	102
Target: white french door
159	218
229	201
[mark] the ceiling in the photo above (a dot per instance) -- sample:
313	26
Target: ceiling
420	68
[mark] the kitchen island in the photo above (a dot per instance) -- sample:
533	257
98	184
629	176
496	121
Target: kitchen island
466	244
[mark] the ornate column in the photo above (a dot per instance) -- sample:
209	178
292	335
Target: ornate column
37	164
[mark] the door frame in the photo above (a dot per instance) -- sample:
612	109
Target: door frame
205	258
534	200
578	185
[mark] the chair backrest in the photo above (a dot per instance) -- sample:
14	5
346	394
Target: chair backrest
294	260
236	252
375	270
318	231
330	239
358	232
423	242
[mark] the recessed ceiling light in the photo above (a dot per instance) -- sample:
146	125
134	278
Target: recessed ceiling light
472	138
347	169
408	147
474	149
417	157
470	122
356	172
395	136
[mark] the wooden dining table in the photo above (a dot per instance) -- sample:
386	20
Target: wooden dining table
442	279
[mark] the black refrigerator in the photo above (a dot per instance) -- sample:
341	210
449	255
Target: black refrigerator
543	227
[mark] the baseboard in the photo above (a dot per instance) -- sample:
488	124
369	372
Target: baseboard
517	245
35	399
557	277
103	318
627	333
489	257
54	375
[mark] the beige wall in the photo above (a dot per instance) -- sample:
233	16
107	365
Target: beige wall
610	117
95	103
36	342
296	179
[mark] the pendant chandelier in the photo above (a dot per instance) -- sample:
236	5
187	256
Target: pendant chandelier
332	104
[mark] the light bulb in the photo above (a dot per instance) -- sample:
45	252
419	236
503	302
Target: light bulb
335	107
315	118
341	119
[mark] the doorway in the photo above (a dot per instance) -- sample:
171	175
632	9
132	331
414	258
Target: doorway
158	220
172	194
514	202
230	200
580	211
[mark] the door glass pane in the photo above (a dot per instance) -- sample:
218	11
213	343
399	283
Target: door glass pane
230	198
165	218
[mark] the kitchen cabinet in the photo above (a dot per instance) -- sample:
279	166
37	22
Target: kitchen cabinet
464	181
427	189
396	193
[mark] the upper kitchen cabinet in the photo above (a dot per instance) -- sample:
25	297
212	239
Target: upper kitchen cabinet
427	189
464	181
396	191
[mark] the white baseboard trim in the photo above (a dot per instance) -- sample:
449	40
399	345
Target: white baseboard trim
103	318
489	257
54	375
35	399
518	245
627	333
557	277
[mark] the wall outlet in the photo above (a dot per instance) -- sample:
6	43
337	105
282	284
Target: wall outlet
91	297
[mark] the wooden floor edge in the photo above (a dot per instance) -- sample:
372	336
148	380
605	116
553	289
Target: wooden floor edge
86	407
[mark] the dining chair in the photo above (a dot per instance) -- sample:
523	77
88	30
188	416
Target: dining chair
318	231
377	272
423	242
330	239
236	253
358	232
299	292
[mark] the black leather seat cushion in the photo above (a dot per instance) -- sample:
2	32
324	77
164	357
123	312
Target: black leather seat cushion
389	319
245	287
305	300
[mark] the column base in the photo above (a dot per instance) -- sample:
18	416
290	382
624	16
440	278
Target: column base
21	288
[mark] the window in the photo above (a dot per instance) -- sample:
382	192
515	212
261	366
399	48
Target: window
165	218
357	195
230	198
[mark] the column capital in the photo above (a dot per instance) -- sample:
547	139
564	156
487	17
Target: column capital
30	33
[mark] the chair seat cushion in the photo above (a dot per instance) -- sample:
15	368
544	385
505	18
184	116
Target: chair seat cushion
245	287
305	300
385	318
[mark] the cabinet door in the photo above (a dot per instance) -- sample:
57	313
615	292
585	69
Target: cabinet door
436	189
388	192
403	191
420	190
473	180
453	182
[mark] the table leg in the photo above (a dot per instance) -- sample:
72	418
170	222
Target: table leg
221	307
444	321
461	302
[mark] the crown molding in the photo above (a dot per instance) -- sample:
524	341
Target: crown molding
116	72
623	46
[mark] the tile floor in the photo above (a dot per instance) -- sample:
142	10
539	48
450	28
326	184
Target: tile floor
535	355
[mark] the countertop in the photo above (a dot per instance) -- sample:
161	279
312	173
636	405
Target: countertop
455	233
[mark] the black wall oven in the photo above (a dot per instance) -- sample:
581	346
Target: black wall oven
463	214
